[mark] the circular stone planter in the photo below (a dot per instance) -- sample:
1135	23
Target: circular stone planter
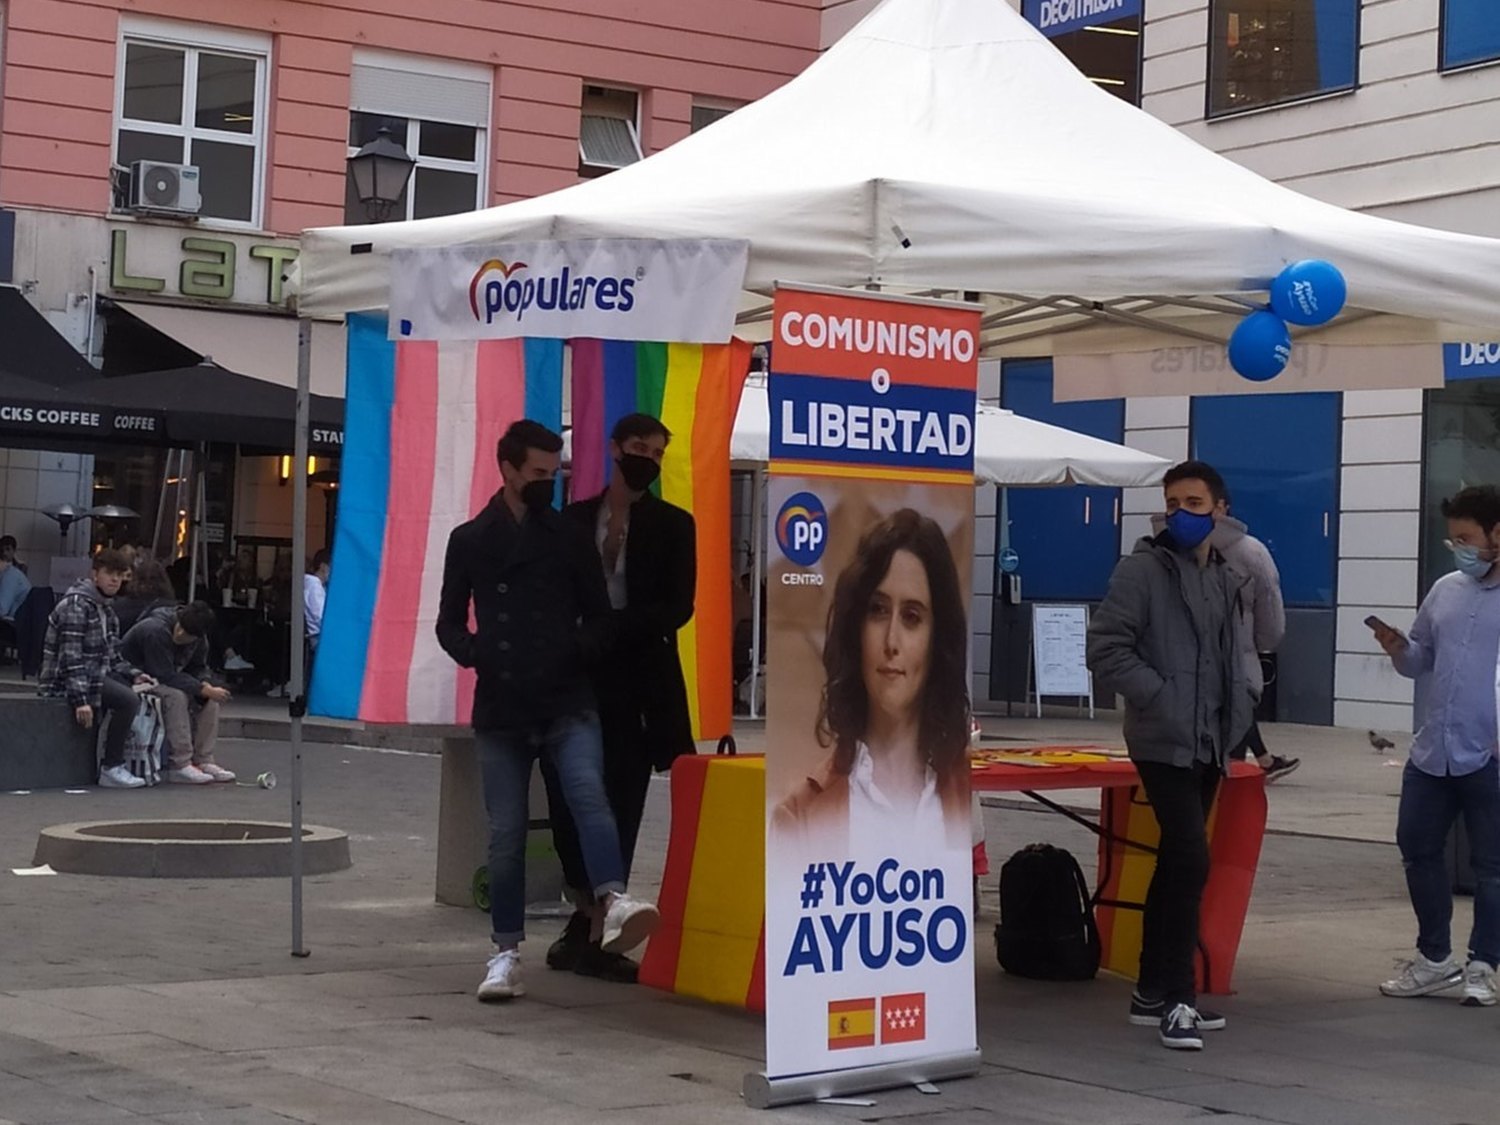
189	849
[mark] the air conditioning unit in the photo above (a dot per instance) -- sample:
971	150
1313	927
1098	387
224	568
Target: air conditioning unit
164	189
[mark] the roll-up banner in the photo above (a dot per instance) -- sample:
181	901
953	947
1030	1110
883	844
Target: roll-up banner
869	911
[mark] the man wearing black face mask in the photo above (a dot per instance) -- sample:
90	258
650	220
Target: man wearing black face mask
543	618
647	552
1166	637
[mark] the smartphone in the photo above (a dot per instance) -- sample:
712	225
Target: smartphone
1375	623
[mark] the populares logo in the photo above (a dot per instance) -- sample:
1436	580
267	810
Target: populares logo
802	529
497	289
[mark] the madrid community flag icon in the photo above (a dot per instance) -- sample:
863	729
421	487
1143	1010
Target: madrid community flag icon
903	1018
851	1023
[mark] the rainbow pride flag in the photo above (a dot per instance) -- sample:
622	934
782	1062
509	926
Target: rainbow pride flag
695	390
421	423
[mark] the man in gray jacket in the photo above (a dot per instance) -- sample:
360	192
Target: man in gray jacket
1166	637
1263	625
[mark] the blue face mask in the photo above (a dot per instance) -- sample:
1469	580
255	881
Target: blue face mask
1467	560
1188	529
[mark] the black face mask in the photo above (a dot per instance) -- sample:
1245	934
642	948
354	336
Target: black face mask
537	494
639	472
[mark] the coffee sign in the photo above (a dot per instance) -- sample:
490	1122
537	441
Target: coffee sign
78	420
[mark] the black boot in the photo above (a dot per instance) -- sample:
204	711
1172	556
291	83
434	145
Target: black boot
563	954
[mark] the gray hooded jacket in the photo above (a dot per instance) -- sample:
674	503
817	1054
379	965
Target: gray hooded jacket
1262	612
1145	643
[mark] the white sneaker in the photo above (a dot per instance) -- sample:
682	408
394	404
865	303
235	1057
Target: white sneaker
218	773
627	923
1479	985
502	980
237	663
1421	977
120	777
189	775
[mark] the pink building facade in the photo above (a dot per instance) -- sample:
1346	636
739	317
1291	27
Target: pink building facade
158	159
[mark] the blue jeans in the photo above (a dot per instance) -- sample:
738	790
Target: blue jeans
572	746
1429	806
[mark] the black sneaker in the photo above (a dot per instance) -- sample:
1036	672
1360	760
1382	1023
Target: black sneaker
615	968
1280	767
1179	1029
564	953
1149	1013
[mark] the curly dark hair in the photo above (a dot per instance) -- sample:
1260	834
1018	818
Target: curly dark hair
844	711
150	581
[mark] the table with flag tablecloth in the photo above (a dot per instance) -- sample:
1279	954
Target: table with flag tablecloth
712	939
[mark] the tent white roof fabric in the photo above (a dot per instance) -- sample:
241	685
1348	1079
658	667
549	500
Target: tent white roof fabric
947	145
1008	449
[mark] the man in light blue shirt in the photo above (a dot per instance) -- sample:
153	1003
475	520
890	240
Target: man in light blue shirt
14	586
1453	769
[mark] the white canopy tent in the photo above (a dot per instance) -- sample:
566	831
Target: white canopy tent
946	145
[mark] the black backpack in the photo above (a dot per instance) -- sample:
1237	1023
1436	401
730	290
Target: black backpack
1047	928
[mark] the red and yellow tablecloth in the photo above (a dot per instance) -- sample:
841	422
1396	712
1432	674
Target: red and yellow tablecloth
711	942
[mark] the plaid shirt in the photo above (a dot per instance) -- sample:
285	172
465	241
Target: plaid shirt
82	647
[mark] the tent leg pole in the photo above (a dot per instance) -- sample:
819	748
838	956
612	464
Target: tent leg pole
198	511
298	705
757	569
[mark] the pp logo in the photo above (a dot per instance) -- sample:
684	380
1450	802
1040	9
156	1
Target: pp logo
802	529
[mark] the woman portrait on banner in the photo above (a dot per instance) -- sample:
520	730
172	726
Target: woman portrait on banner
895	703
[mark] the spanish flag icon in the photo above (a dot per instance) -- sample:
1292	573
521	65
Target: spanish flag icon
851	1023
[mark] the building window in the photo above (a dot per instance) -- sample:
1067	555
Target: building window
609	134
1471	33
1266	52
1068	538
1462	449
198	104
706	113
439	113
1104	41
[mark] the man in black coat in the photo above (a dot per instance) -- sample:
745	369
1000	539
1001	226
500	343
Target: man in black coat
541	617
646	549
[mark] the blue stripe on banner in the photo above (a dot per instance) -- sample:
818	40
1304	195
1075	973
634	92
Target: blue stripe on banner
619	392
544	378
849	422
359	541
544	375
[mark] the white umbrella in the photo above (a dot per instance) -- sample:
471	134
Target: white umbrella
1008	449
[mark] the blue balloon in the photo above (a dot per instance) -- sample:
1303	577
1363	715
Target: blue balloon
1308	292
1260	347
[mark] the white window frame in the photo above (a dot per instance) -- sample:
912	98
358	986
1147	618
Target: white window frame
479	167
633	123
192	40
718	104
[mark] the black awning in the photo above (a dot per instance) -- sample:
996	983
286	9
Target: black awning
31	349
207	403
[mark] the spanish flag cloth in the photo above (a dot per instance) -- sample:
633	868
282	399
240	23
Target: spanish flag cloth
851	1023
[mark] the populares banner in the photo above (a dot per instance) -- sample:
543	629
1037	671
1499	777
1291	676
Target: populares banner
869	936
611	288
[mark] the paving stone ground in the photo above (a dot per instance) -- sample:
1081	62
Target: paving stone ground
161	1001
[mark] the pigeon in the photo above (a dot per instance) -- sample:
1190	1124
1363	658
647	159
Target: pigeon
1380	743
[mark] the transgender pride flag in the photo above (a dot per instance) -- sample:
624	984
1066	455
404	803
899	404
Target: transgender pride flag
421	422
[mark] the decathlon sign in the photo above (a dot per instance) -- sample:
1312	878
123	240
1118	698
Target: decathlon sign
1058	17
684	290
1471	361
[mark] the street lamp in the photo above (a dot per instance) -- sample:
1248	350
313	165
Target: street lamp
380	171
